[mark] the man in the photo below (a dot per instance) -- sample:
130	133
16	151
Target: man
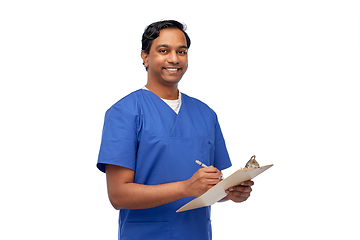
151	139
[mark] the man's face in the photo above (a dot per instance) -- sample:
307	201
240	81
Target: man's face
167	59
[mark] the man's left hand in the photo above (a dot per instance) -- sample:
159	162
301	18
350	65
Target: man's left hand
241	192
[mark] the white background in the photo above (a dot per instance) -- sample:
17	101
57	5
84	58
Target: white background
283	77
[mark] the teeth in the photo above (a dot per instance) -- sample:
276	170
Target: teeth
172	69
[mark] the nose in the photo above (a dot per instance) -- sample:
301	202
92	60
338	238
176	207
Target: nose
173	58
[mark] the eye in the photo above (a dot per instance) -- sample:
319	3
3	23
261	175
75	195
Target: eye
183	52
162	51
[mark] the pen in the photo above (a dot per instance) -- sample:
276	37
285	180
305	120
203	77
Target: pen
201	164
204	166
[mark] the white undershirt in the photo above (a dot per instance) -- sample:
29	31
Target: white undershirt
174	104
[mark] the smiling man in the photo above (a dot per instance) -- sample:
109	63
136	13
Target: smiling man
166	62
151	139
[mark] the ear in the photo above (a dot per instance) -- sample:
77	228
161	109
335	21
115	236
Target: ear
145	58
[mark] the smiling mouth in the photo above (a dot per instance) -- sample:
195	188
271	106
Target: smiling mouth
173	70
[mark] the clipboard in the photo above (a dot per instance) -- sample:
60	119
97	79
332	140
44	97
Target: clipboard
217	192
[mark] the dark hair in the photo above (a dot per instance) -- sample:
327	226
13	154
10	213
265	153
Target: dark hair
153	31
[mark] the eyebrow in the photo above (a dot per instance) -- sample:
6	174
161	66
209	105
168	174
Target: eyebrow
167	46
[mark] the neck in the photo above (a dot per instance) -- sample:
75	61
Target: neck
170	92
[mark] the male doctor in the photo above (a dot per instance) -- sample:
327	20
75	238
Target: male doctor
151	139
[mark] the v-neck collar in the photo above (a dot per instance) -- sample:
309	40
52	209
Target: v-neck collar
166	123
164	115
167	102
176	103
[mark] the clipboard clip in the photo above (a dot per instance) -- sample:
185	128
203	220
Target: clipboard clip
252	163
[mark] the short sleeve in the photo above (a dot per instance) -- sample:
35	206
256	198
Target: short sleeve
119	137
222	158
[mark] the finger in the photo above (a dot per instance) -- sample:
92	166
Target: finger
242	193
247	183
240	189
212	181
219	174
211	174
215	175
211	169
203	174
238	196
209	178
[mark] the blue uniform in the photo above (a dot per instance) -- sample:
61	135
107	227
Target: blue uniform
141	132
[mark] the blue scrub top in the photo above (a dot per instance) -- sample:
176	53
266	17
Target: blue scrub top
141	132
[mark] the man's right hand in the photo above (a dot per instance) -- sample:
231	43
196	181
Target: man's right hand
202	180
